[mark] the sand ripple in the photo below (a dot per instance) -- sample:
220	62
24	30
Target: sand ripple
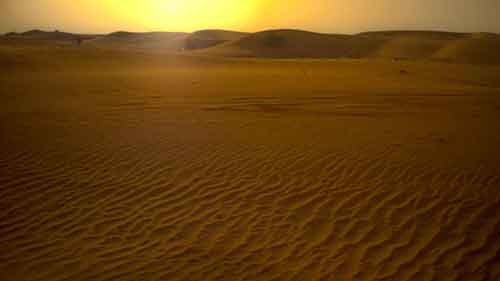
169	208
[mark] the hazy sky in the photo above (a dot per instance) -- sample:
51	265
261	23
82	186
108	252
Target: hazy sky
334	16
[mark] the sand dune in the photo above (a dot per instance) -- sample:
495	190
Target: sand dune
167	41
129	165
422	34
295	44
50	35
217	34
473	48
409	48
476	48
211	37
416	45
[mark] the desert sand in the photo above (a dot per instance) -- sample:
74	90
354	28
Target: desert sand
128	163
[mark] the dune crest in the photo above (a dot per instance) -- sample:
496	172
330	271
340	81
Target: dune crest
474	48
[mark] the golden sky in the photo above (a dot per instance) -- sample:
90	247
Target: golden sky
333	16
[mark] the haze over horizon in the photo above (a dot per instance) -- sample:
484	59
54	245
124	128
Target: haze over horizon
93	16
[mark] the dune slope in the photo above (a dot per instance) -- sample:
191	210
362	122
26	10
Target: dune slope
211	37
49	36
413	45
296	43
167	41
477	48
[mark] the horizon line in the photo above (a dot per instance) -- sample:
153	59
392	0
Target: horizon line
249	32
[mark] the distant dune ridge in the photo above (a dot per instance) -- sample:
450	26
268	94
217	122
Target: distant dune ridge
51	35
146	40
211	37
413	45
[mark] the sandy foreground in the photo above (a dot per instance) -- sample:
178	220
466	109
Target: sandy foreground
121	165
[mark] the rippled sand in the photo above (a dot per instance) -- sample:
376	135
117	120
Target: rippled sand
126	166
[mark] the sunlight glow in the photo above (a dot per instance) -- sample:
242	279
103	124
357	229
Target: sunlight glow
333	16
189	15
